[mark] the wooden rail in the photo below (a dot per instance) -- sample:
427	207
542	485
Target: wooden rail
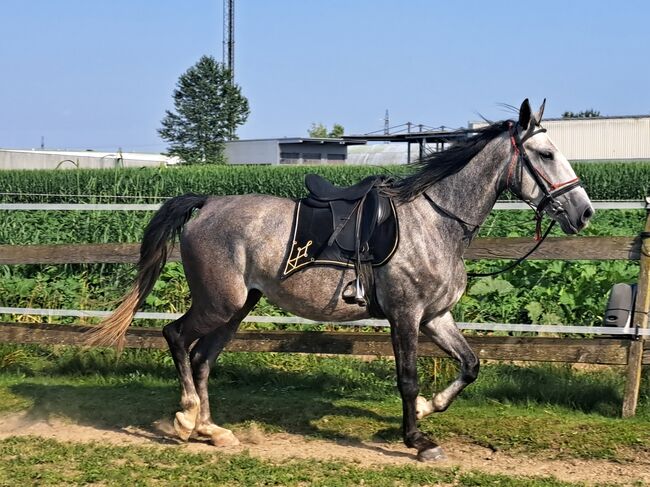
564	248
606	351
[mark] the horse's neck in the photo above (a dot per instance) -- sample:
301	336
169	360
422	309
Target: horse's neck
470	194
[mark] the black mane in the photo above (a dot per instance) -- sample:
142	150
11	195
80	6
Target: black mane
438	165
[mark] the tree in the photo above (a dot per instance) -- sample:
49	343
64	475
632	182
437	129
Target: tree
319	131
208	109
590	113
337	131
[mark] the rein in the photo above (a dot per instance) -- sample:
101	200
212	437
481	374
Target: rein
519	260
551	192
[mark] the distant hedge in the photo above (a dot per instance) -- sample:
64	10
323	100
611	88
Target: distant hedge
613	180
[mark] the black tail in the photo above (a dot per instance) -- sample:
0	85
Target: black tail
162	230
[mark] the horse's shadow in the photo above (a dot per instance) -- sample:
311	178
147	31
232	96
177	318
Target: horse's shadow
317	404
287	401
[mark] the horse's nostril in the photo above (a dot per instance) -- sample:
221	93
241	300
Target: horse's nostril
587	214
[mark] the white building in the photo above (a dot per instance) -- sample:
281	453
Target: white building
54	159
599	138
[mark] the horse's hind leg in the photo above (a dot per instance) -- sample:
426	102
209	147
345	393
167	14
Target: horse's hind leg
203	355
444	333
179	335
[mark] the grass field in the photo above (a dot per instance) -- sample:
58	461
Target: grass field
543	411
33	461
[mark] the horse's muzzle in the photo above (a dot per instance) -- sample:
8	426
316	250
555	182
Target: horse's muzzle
572	210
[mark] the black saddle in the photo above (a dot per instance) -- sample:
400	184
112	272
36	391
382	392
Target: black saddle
352	227
322	190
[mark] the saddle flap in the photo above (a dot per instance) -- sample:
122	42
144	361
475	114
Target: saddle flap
347	214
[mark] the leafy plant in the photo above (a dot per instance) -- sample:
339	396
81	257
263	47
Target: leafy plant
603	181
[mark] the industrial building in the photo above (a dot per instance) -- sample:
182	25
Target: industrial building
297	150
579	139
599	138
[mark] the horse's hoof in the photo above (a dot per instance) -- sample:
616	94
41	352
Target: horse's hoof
432	455
423	407
224	438
183	427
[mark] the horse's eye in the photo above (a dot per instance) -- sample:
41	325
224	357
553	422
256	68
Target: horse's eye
546	155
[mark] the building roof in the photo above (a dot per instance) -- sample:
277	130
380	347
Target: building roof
303	140
601	117
431	136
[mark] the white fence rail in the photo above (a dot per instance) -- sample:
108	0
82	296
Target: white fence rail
500	205
521	327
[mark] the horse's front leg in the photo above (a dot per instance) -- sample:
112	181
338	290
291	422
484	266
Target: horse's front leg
444	333
404	340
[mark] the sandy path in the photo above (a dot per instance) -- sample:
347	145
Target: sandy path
282	446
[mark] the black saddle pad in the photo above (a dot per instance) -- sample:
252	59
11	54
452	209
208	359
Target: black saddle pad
314	224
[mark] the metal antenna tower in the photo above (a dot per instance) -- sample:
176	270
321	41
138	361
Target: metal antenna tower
229	37
386	125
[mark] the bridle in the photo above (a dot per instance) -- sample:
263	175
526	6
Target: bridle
550	190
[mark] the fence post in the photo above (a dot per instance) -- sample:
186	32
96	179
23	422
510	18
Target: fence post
640	320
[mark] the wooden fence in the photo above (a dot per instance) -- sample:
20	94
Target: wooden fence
631	352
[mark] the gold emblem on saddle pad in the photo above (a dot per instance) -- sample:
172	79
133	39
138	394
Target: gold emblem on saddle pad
294	263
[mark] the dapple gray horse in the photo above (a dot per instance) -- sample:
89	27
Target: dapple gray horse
233	250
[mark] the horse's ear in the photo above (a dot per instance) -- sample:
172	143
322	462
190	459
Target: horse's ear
524	114
540	113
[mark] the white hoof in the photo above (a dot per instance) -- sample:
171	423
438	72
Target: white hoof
423	407
218	436
224	438
183	426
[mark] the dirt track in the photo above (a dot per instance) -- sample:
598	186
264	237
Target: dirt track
280	447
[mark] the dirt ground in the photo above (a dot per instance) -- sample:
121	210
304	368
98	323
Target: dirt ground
281	446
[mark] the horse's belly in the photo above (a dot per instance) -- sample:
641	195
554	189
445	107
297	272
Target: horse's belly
315	293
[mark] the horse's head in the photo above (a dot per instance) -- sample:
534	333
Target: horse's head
539	174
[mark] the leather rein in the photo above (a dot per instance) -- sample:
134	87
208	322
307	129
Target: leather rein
550	190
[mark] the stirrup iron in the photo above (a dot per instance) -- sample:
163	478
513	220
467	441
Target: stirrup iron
354	292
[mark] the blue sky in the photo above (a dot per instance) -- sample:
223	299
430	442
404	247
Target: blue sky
99	74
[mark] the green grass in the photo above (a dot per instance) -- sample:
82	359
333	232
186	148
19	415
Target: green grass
554	411
48	462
